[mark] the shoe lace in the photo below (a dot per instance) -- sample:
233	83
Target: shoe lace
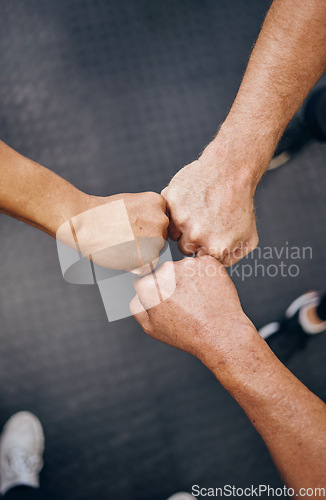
19	463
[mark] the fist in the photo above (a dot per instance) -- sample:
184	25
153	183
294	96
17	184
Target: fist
212	211
200	310
124	231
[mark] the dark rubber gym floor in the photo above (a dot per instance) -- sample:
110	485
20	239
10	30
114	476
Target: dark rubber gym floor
116	96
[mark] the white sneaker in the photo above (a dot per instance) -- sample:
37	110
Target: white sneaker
21	451
298	304
181	496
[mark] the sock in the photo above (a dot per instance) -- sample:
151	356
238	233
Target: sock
306	324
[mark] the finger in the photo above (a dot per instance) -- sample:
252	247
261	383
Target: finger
201	252
145	269
162	202
207	264
166	224
149	250
253	242
148	292
174	232
156	287
164	191
139	313
187	247
240	251
156	199
217	253
206	257
235	253
165	278
232	258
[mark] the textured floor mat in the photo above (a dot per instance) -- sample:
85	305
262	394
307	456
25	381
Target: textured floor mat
116	96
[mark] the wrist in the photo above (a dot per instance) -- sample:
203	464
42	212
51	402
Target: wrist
241	151
238	357
70	203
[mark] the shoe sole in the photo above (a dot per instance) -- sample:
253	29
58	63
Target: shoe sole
300	302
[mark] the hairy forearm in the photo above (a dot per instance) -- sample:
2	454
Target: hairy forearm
290	419
34	194
286	62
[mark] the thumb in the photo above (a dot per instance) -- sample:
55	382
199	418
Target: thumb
164	191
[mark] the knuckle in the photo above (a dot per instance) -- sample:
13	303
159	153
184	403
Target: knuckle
164	220
187	261
132	305
172	199
210	259
153	194
180	216
155	198
254	242
147	329
195	234
145	286
216	248
185	246
166	268
168	194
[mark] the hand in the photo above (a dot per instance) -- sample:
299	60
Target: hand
203	315
124	231
210	203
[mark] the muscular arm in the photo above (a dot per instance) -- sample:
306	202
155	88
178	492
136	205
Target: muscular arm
203	316
211	201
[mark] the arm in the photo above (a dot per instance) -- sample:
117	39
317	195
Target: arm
204	317
39	197
290	419
286	62
211	200
34	194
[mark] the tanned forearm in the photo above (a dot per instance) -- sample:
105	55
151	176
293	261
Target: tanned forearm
290	419
203	316
286	62
34	194
39	197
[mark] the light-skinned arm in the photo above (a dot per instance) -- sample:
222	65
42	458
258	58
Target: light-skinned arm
37	196
203	316
211	201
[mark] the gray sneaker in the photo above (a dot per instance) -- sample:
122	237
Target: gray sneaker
21	451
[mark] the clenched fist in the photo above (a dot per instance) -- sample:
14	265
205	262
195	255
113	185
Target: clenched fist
211	209
124	231
200	310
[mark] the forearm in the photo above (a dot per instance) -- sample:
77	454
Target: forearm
34	194
287	60
290	419
107	227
